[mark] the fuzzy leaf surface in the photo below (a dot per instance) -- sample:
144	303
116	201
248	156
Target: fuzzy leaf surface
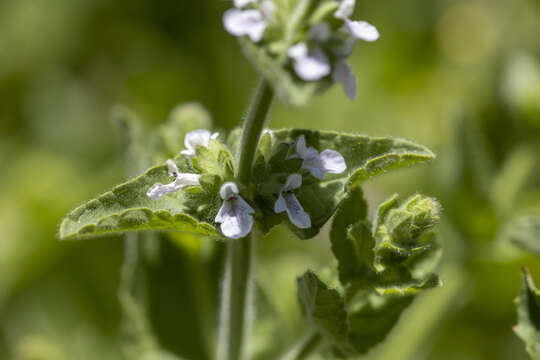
365	156
324	309
353	209
127	208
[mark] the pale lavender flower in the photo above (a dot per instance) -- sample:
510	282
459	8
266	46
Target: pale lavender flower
196	138
235	213
317	164
343	74
180	181
288	202
309	66
241	3
358	29
250	22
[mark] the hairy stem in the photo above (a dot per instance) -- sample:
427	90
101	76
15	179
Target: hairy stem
253	127
304	347
235	302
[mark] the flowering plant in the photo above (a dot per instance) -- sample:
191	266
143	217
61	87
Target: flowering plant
236	187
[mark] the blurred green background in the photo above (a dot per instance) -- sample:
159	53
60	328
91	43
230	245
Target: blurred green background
462	77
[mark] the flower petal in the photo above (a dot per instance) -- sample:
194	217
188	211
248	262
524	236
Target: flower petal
361	30
236	221
343	74
294	181
185	179
296	212
245	22
313	67
280	205
301	149
267	8
228	190
242	3
223	210
333	162
345	10
298	51
195	138
315	168
173	169
241	203
237	227
157	190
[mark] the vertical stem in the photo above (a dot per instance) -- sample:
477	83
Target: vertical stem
234	299
237	281
253	127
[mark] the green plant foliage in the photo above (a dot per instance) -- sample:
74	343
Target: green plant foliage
380	269
324	308
347	236
372	317
127	208
525	232
528	312
365	157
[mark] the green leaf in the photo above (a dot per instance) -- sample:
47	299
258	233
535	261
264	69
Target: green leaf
320	200
380	268
324	308
399	229
524	231
528	314
372	317
351	327
365	156
353	209
214	159
127	208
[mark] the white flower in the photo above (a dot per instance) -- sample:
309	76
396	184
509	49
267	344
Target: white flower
250	22
235	213
317	164
287	201
197	138
358	29
181	180
361	30
242	3
345	10
309	66
343	73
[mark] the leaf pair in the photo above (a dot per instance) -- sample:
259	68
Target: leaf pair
127	208
380	268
